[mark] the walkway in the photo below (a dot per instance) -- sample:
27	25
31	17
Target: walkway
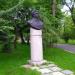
49	69
70	48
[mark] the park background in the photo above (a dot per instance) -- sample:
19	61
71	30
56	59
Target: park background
58	17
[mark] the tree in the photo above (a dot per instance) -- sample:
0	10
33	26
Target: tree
68	26
51	15
54	8
5	35
71	6
49	11
6	4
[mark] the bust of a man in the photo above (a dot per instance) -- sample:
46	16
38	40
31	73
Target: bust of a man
35	22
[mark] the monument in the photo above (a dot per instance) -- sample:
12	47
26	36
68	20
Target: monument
36	45
36	62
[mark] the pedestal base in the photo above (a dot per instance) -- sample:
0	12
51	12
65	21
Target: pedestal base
36	47
37	62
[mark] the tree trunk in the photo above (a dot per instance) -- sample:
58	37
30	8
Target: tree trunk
72	11
21	36
54	8
73	18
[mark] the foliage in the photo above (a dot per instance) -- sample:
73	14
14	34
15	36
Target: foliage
71	5
51	23
69	29
48	32
6	4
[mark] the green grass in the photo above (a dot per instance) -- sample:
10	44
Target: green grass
62	58
70	41
61	41
10	64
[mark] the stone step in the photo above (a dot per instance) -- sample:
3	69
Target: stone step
67	72
49	69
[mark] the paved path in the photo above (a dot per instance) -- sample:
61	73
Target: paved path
70	48
49	69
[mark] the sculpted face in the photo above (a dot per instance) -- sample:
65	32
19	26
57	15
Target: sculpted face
35	22
35	14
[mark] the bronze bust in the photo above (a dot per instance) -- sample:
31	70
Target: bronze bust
35	22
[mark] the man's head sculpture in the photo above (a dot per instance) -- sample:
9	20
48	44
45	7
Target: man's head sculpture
35	22
35	14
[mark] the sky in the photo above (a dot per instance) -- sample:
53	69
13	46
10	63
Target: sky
66	9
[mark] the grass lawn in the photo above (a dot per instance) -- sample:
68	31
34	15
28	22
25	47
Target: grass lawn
62	58
10	64
70	41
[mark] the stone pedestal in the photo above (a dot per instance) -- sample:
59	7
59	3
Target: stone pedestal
36	47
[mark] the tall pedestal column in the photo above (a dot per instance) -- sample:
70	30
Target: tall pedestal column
36	47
